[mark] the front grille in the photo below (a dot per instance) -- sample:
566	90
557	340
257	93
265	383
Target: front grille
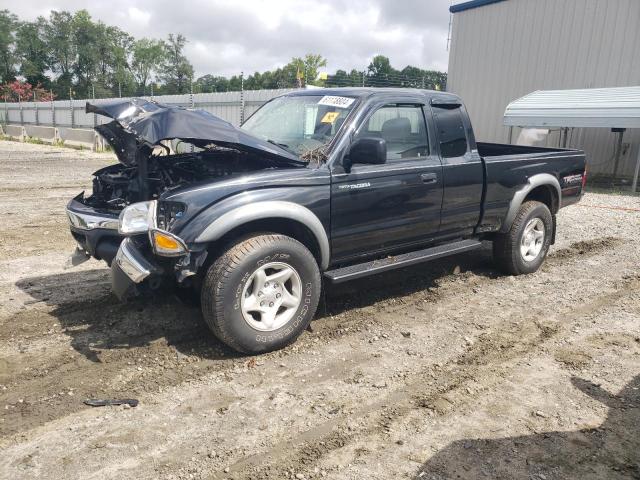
80	238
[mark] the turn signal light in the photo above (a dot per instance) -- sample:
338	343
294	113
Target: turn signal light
167	244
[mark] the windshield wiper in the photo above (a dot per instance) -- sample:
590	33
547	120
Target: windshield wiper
283	145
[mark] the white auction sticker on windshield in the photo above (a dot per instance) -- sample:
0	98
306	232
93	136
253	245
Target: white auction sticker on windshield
335	101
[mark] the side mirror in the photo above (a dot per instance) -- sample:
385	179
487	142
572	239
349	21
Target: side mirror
367	150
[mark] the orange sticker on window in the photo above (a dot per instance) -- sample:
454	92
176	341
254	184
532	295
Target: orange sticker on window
330	117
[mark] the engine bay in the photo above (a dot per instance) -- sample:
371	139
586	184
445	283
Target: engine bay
164	147
116	186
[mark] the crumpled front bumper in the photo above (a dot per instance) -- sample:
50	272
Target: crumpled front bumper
129	269
95	232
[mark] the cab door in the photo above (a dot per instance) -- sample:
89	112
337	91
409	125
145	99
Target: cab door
379	208
462	169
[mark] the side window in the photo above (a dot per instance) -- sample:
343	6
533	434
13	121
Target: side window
403	128
453	141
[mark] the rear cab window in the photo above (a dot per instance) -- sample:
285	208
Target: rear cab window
451	131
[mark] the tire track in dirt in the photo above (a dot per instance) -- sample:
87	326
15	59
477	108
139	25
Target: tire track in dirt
494	350
130	339
127	337
584	249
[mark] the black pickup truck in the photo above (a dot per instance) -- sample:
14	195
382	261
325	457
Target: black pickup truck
328	184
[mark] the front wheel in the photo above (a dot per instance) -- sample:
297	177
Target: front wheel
524	247
261	294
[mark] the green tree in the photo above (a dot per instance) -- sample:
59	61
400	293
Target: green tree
211	83
339	79
309	66
148	55
72	52
380	67
343	79
415	77
8	24
257	81
87	37
177	72
32	52
58	35
116	71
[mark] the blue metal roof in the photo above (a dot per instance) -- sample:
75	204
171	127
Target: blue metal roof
460	7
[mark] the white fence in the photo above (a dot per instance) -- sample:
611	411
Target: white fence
231	106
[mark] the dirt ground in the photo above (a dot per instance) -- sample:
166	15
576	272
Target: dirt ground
446	370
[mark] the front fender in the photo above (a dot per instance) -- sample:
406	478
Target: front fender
309	205
269	209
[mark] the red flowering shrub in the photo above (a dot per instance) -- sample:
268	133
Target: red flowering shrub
18	91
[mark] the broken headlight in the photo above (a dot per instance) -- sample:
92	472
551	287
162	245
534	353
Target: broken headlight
137	218
169	213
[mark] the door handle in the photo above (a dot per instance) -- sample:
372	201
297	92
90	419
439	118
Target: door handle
429	177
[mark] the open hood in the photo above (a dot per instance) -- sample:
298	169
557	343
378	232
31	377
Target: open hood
138	122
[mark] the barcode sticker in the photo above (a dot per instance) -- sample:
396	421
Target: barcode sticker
334	101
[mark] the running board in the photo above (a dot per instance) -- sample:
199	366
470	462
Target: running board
360	270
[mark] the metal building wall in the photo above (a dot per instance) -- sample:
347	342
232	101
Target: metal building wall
502	51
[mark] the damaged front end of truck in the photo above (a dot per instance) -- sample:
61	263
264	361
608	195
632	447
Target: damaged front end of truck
127	220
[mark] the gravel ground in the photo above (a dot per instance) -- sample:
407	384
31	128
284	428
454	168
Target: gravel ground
445	370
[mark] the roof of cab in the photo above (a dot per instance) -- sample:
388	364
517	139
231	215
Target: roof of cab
361	92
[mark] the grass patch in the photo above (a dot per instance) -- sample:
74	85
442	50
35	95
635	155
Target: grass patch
37	141
615	190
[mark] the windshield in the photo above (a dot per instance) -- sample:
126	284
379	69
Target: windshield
300	123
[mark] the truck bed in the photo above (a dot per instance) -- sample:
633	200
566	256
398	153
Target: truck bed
508	168
503	149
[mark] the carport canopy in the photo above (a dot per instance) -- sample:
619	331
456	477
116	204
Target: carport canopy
591	107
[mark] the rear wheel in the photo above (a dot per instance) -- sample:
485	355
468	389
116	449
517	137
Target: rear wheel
524	247
262	293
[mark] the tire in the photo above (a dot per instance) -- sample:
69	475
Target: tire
255	312
533	219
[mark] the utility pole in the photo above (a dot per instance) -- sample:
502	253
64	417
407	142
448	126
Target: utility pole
35	104
53	109
191	102
119	90
93	95
241	98
363	78
71	106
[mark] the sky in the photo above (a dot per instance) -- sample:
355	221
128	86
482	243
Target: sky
227	37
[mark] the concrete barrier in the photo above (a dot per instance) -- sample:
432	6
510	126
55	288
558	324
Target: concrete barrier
15	131
81	137
46	134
